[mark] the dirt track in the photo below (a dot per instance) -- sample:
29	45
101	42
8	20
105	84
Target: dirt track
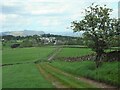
57	82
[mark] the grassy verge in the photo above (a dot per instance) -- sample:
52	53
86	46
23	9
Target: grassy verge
25	54
23	76
107	73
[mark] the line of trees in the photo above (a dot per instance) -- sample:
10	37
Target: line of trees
35	40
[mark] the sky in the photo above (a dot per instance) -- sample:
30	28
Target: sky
46	15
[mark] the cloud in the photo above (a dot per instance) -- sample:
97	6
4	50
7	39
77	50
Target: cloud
50	22
43	8
2	19
46	14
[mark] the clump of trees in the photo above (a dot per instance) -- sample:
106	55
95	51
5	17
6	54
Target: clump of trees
99	29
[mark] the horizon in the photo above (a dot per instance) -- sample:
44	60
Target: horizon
50	16
70	33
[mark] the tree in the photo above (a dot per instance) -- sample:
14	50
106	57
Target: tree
98	27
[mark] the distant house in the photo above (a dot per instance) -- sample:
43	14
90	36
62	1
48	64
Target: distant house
59	42
2	39
48	40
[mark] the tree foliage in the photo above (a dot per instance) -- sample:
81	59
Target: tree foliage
98	28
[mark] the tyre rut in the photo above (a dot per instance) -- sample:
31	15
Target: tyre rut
55	82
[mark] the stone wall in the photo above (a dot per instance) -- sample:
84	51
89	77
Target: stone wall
107	57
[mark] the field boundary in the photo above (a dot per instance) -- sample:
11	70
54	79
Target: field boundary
15	63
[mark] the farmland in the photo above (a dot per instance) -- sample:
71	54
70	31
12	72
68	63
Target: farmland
88	57
24	74
19	55
54	74
74	52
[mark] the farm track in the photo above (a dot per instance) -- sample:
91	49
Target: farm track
84	80
57	50
55	82
66	78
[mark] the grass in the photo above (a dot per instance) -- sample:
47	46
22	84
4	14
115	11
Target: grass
74	52
27	75
23	76
108	72
25	54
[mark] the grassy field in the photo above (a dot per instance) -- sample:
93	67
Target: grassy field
23	76
29	76
25	54
74	52
108	72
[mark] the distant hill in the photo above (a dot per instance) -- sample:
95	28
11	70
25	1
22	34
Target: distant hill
77	34
23	33
31	33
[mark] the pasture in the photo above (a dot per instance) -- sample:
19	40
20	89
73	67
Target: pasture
74	52
53	74
23	76
26	75
19	55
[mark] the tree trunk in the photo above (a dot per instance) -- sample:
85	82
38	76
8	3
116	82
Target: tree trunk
98	59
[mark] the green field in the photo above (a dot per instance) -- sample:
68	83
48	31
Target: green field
29	75
18	55
23	76
74	52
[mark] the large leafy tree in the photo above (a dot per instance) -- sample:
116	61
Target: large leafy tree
98	27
